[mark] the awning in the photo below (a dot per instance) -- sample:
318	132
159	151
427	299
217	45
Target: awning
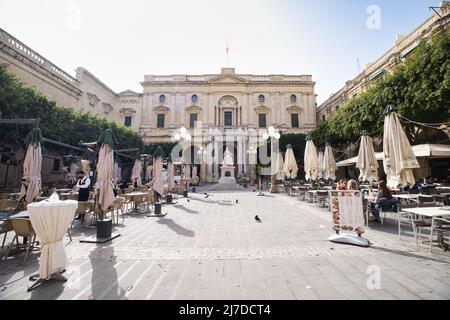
422	150
408	50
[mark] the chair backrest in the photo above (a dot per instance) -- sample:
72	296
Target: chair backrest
118	202
426	199
8	205
414	191
426	205
22	227
402	206
322	193
83	207
439	199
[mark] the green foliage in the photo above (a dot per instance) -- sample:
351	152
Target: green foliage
165	148
419	89
57	123
298	143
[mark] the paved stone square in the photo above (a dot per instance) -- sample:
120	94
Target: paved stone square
212	248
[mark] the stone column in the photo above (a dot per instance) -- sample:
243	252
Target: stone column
216	160
173	110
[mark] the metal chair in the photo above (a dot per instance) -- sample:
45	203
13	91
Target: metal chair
426	200
439	225
322	198
406	217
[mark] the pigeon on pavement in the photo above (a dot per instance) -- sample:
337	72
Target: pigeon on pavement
257	219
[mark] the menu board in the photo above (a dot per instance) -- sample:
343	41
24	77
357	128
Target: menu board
347	211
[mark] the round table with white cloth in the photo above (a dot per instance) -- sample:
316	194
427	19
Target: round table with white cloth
50	221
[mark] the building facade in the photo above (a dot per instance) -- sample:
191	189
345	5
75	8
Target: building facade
404	45
218	110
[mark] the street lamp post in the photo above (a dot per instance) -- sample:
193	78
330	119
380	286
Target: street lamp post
183	136
274	136
252	152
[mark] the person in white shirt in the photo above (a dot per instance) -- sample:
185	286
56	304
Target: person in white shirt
83	184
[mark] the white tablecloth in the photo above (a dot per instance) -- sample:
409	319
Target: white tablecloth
50	221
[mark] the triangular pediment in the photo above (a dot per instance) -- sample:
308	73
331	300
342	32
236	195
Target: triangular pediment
128	93
227	78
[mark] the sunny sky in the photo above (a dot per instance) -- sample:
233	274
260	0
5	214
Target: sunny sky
120	41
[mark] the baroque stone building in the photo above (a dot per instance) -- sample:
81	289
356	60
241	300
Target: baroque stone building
219	110
403	46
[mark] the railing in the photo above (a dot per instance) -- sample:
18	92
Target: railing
196	78
162	79
11	42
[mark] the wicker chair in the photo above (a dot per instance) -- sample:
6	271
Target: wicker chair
23	228
127	203
5	228
118	205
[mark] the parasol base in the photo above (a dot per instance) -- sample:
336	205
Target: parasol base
38	282
94	239
349	239
153	215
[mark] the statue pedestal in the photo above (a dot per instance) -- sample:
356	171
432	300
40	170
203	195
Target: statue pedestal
227	180
227	175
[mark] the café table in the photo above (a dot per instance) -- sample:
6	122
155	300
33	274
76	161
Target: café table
430	212
133	196
50	221
409	197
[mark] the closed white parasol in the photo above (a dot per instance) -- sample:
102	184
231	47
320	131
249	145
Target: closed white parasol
290	164
311	161
329	164
398	156
367	161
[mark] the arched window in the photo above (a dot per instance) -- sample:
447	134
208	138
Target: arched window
293	98
323	117
162	98
261	99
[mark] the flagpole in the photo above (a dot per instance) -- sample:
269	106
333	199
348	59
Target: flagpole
228	55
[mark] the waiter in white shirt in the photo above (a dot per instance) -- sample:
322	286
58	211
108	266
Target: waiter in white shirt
82	186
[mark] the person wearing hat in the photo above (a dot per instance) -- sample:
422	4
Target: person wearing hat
83	184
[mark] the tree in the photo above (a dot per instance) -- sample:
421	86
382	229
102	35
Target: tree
419	88
57	123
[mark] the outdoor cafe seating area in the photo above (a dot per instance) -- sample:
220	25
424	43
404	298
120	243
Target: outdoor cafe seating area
418	209
15	220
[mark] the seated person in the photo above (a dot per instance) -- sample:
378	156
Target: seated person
342	185
384	200
352	185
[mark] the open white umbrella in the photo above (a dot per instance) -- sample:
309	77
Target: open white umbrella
320	166
279	167
329	172
290	164
136	173
170	177
105	167
367	162
32	166
311	161
398	156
